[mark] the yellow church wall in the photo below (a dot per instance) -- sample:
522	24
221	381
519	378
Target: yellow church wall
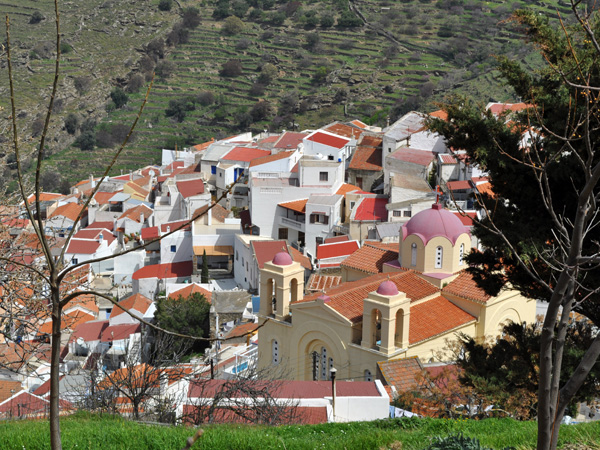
433	349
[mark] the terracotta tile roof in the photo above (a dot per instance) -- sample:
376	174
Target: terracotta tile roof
171	226
466	218
102	198
135	302
420	157
191	169
499	108
459	185
290	140
118	332
203	146
366	158
164	271
270	158
243	329
401	373
295	205
486	188
342	238
358	123
345	188
434	317
337	249
393	246
343	129
447	158
68	210
246	154
464	286
270	139
440	114
189	290
217	212
83	246
369	259
189	188
45	197
70	321
318	282
328	139
372	209
299	257
90	331
110	226
150	233
265	251
6	386
135	213
347	298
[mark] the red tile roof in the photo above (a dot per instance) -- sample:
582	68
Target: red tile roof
342	238
70	321
136	212
347	298
464	286
290	140
440	114
163	271
102	198
45	197
499	108
420	157
447	158
372	209
466	218
393	246
138	189
189	188
150	233
246	154
243	329
329	140
344	129
118	332
189	290
369	259
299	257
184	225
265	251
90	331
337	249
135	302
6	386
68	210
83	246
401	373
345	188
459	185
318	282
203	146
270	158
295	205
366	158
110	226
434	317
358	123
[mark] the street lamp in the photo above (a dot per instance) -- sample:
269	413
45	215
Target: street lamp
333	371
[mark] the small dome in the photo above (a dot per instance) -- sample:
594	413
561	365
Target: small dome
387	288
434	222
325	298
282	259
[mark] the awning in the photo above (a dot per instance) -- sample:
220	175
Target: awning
213	250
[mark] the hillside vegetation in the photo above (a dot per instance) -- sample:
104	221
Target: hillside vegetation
277	65
92	432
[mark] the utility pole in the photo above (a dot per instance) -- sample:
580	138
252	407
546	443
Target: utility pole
315	356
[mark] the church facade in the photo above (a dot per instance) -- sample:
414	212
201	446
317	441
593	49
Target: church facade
411	308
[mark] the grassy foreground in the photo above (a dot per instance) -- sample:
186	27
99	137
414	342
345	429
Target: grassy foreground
84	431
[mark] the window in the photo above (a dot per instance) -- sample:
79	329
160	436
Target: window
237	256
74	261
323	176
389	149
246	266
283	233
319	218
275	352
213	170
461	254
413	254
318	240
330	157
220	174
173	248
439	253
407	213
324	368
242	261
359	182
352	205
368	376
397	213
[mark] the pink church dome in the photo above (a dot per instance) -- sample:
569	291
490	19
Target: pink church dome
434	222
282	259
387	288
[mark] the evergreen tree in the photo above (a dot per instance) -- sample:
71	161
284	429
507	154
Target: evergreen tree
204	274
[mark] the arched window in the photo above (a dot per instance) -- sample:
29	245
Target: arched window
275	352
329	368
368	376
461	254
413	254
324	368
439	253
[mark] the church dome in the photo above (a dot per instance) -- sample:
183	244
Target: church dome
387	288
434	222
282	259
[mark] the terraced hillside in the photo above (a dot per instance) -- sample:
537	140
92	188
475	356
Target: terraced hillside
292	64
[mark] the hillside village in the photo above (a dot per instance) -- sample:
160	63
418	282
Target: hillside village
334	253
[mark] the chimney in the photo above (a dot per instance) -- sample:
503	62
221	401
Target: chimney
92	182
141	218
130	175
168	229
100	238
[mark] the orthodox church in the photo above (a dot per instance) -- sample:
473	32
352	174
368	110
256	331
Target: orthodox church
411	308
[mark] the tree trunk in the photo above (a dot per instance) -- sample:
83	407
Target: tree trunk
55	440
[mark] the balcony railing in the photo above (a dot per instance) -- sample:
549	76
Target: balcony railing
299	226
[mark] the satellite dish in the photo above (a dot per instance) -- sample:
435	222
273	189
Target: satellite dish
80	341
152	173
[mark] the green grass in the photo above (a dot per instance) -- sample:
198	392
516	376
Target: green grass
92	432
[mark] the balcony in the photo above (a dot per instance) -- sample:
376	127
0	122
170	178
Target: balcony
294	224
341	229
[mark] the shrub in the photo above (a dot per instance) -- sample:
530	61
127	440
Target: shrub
243	44
327	21
277	18
178	35
135	83
65	47
458	442
205	98
233	25
260	110
231	68
71	123
119	97
268	73
349	20
156	49
239	8
86	141
347	44
320	75
312	40
178	108
164	69
36	17
191	17
165	5
37	126
257	89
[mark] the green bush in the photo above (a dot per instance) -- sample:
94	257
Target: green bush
165	5
458	442
119	97
36	17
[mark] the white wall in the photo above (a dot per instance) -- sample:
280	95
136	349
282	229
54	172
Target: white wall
182	240
350	409
125	265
